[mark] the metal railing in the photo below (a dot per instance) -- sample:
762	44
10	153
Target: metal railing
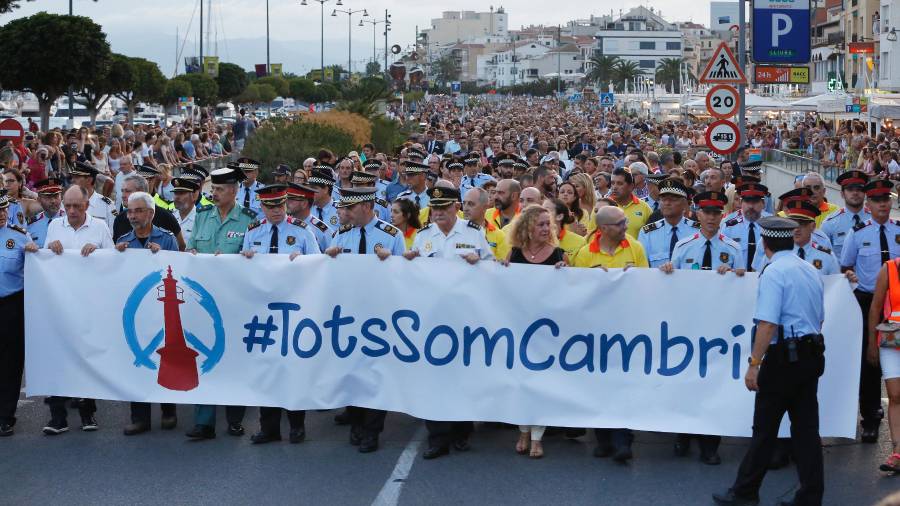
797	161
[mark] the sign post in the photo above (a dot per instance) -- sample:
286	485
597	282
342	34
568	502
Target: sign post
11	129
723	101
607	100
781	31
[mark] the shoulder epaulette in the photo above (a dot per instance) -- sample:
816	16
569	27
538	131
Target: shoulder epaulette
36	218
382	202
821	248
205	208
474	225
345	228
319	224
106	200
387	228
860	226
18	229
167	232
650	227
694	224
425	227
732	222
294	221
246	211
253	224
836	213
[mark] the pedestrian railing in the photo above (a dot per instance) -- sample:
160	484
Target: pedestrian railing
794	161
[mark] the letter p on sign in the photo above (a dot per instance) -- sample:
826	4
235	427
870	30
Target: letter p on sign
781	25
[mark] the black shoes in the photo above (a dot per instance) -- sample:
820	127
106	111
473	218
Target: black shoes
136	428
264	437
623	455
88	423
235	429
461	445
355	438
682	446
342	418
201	432
435	452
368	445
711	459
297	435
870	435
6	429
168	423
56	427
603	451
729	498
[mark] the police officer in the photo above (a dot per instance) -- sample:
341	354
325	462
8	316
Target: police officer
415	178
375	167
754	170
785	364
360	179
185	191
16	242
866	248
282	174
50	197
246	196
199	175
220	229
653	196
448	236
838	225
151	174
101	208
472	178
743	229
299	203
820	256
660	237
322	179
789	198
278	233
364	234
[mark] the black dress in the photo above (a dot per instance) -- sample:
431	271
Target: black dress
517	257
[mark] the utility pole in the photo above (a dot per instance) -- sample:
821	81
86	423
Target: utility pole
268	64
558	61
201	33
742	61
387	27
71	92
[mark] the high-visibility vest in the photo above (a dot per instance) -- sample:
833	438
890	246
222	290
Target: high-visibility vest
892	301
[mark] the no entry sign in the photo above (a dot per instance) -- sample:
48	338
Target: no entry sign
12	130
723	137
722	101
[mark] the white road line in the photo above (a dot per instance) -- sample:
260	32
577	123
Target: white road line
22	403
390	492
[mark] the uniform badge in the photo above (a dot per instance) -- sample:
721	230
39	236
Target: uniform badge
437	193
723	257
897	238
334	220
21	216
10	244
290	240
377	245
817	264
428	246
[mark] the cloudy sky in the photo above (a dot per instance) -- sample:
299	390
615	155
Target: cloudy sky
147	28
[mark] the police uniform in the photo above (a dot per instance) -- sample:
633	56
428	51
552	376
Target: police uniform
660	237
818	255
317	227
100	207
162	237
363	240
322	177
866	248
790	295
838	224
16	212
421	199
475	181
745	232
363	179
189	185
246	196
12	319
197	174
372	167
37	225
753	171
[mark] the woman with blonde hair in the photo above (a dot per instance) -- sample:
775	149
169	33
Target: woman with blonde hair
587	196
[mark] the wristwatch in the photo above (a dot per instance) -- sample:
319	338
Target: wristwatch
754	362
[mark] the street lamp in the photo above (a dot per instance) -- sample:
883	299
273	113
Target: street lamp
375	23
349	13
322	45
892	35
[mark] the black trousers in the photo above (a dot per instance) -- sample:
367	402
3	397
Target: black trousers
140	411
869	375
708	444
786	387
365	422
441	434
59	413
616	438
270	420
12	354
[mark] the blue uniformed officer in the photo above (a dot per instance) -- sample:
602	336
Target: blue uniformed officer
299	206
322	179
472	177
820	256
802	194
415	178
247	192
754	170
706	250
360	179
660	237
15	242
743	229
364	234
282	174
375	166
786	362
866	248
50	197
838	225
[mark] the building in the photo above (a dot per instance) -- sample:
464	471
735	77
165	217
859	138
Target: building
465	26
642	36
722	15
828	48
889	47
860	22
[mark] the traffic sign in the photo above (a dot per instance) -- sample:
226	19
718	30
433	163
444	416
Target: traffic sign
781	31
723	68
607	99
764	74
723	137
455	87
723	101
11	129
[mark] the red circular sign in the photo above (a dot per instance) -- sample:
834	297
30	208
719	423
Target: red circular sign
11	129
723	137
723	101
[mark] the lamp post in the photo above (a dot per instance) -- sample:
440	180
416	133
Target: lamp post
322	44
349	13
374	23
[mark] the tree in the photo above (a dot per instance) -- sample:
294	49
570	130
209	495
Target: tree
232	81
249	96
94	95
145	83
445	70
7	6
602	69
373	68
669	70
280	85
203	88
78	52
175	89
301	89
625	71
266	93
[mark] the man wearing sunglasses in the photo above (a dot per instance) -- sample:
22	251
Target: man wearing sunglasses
815	183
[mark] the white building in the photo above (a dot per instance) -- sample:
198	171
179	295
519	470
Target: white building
889	63
722	15
642	36
465	26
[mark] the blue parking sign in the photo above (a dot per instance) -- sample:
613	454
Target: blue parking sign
781	31
607	99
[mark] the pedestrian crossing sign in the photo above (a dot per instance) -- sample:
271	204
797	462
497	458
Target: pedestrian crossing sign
723	68
607	99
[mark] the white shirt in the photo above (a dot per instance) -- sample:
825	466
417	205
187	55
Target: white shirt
462	240
187	223
102	208
92	231
117	188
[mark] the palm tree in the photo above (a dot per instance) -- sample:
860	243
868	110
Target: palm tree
626	71
602	69
671	70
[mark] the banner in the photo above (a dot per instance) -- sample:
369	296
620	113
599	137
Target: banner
260	69
211	66
437	339
275	70
191	64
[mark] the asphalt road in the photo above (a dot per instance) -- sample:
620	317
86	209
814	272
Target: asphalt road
162	467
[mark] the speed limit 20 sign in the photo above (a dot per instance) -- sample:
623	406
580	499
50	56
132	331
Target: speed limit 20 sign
722	101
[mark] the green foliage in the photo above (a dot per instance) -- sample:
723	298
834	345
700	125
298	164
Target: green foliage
101	88
232	81
301	89
603	69
266	93
445	70
278	84
292	142
176	88
669	71
145	83
626	71
386	134
203	88
7	6
373	68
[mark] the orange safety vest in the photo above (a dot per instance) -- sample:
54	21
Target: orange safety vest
891	304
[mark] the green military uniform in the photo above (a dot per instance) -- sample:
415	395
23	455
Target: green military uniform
212	234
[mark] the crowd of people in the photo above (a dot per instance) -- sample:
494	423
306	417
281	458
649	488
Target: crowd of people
517	181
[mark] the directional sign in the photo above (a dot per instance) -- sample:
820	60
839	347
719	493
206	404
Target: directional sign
607	99
723	137
781	31
764	74
12	130
723	68
722	101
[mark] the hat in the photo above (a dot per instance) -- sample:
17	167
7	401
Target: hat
372	164
363	178
673	187
520	163
228	175
855	179
324	166
471	159
352	196
744	179
4	200
321	177
83	169
506	160
797	194
197	171
656	178
878	188
147	171
300	192
416	153
776	227
752	167
282	169
639	167
442	197
272	195
549	158
49	186
456	164
245	163
801	210
411	167
184	184
750	191
711	200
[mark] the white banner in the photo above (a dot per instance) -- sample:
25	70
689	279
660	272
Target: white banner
437	339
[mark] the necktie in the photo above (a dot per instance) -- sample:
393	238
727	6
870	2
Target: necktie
751	245
885	251
418	202
273	244
856	220
801	253
246	197
707	257
319	210
362	240
655	205
672	241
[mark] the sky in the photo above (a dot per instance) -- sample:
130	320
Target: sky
148	28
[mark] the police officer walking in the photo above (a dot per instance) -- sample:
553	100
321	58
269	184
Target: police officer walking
785	364
838	225
50	197
660	237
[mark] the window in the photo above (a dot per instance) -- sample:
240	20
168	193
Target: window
673	46
647	64
648	45
610	44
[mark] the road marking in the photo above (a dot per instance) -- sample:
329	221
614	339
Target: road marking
22	403
390	492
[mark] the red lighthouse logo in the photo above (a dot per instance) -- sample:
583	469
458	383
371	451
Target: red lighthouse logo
177	363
